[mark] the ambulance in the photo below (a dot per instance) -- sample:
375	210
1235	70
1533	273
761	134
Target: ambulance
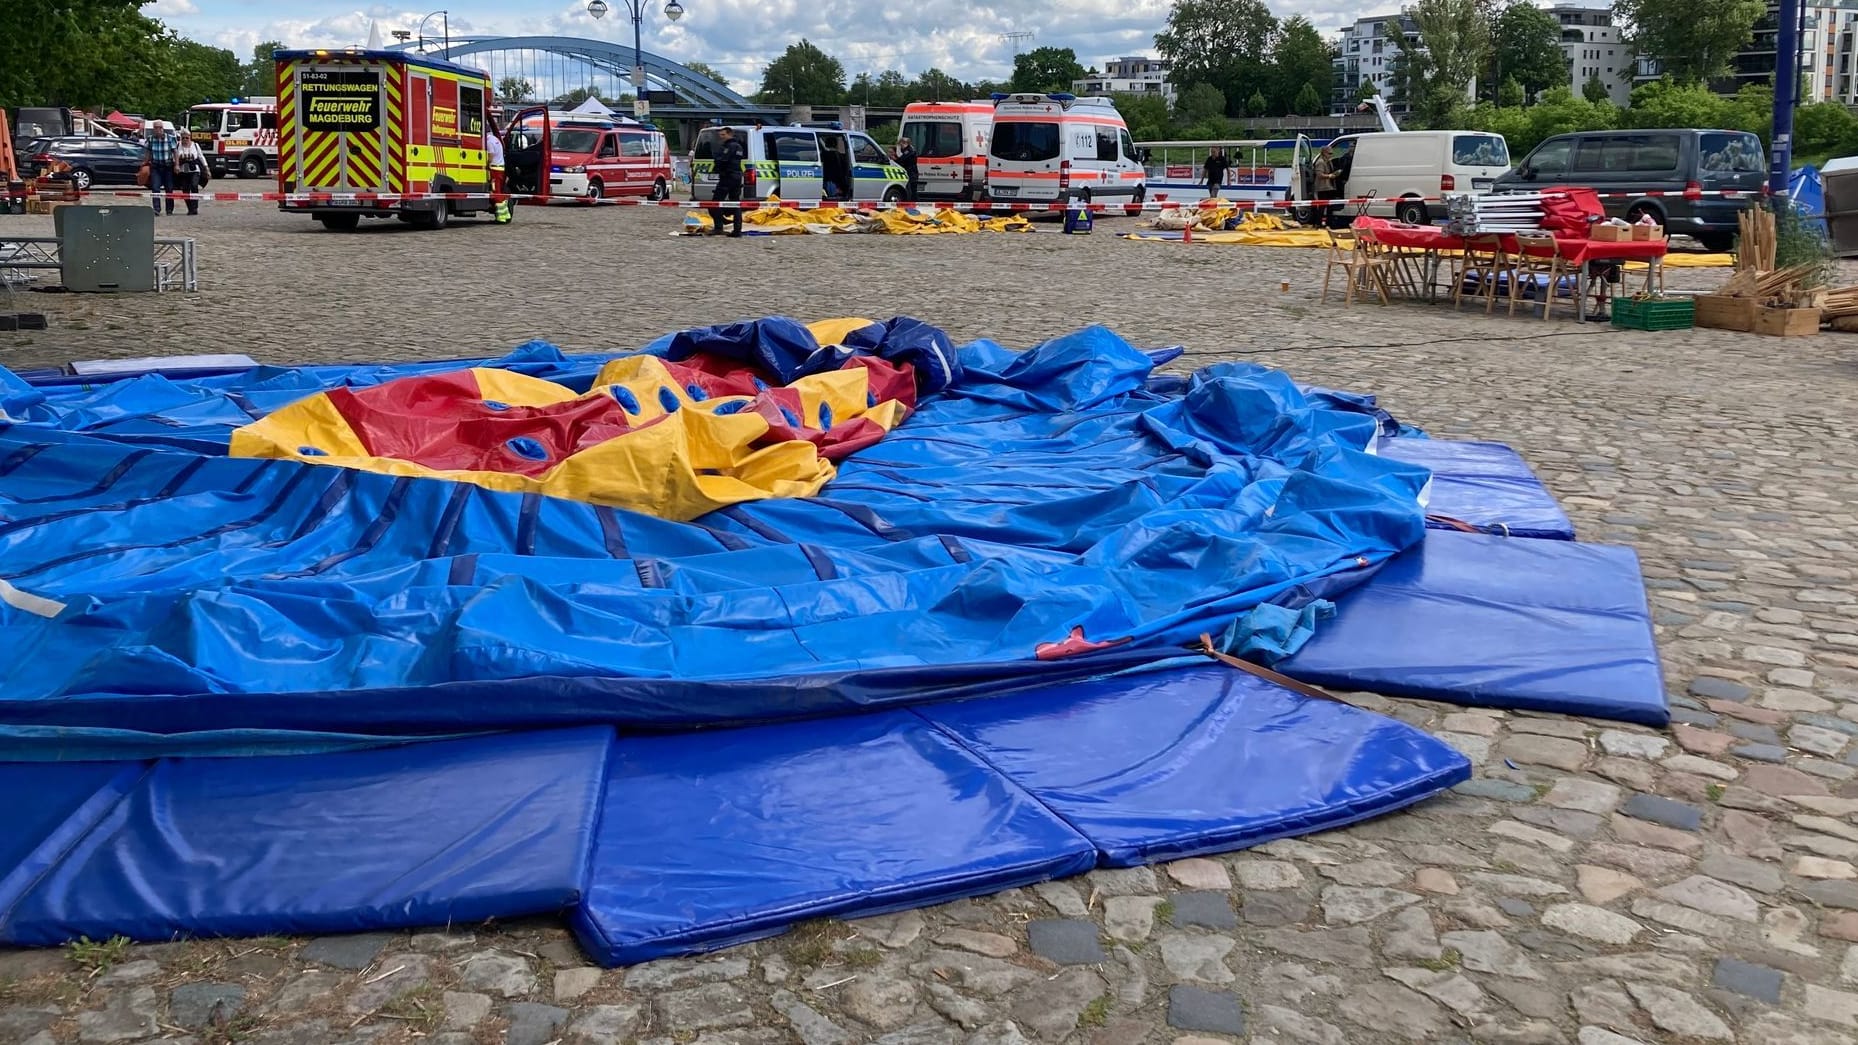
239	136
950	139
355	123
1055	148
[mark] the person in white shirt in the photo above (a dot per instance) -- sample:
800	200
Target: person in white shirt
493	146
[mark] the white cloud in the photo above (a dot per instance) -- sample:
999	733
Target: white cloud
739	37
171	9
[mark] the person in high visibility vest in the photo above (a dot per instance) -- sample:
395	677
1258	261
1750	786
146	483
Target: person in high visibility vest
493	144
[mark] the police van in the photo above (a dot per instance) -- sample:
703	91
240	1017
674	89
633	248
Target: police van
1050	148
803	163
950	139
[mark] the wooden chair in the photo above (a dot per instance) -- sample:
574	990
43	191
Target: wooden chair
1485	258
1361	268
1404	271
1538	255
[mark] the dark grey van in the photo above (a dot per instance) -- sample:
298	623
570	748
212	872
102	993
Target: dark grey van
1668	174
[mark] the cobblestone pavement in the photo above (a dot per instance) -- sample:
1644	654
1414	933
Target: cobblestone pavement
1595	884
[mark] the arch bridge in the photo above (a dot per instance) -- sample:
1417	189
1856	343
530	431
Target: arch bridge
557	65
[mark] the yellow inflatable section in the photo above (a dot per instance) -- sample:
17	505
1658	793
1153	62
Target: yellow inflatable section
676	464
775	220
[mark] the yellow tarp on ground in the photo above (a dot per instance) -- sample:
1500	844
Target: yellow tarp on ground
783	221
677	455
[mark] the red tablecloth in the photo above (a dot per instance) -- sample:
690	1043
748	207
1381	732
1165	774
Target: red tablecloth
1576	249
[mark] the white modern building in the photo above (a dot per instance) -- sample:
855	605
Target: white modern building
1828	54
1594	46
1367	51
1130	74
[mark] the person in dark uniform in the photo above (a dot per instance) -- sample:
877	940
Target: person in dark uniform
729	157
1214	170
906	158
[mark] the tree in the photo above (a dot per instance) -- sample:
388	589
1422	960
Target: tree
1595	90
934	85
1202	101
803	75
1308	102
1454	41
1511	95
1365	91
514	89
258	77
1525	46
1558	111
1257	104
1302	58
888	90
1046	69
1226	43
704	68
1147	115
1691	41
1667	103
1823	127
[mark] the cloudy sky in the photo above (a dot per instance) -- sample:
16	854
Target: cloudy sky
738	37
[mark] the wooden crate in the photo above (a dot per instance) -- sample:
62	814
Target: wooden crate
44	206
1722	313
1647	233
1605	233
1787	322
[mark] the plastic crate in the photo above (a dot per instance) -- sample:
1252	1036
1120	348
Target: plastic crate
1654	313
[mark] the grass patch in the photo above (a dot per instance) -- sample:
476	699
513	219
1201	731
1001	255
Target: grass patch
810	942
1164	912
1096	1014
1447	960
862	957
97	957
50	989
419	1007
1541	790
1715	792
240	1028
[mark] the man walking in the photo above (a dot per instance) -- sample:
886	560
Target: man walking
729	157
493	150
159	153
1215	170
906	158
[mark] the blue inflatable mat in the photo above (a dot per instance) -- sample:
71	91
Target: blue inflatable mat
46	808
1170	764
428	834
721	837
1487	485
1498	622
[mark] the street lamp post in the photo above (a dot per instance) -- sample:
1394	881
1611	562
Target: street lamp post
672	10
445	26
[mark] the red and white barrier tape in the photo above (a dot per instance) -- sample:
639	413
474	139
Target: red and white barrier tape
995	206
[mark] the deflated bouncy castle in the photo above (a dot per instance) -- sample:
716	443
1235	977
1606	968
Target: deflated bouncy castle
762	622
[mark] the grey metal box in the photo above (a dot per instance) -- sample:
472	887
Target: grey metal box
107	249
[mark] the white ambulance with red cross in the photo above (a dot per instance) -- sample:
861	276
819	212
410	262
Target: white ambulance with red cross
1055	148
239	136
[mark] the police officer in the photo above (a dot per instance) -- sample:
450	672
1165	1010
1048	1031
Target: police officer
728	156
906	158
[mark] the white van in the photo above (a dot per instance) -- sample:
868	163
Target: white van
1407	171
950	139
1051	148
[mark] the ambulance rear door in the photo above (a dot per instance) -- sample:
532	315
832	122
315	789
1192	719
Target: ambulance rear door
348	129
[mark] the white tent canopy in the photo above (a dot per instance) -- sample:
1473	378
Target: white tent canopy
592	107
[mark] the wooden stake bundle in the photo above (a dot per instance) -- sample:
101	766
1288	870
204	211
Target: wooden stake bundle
1759	241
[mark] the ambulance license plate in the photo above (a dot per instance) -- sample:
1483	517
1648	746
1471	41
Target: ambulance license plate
1005	191
1482	183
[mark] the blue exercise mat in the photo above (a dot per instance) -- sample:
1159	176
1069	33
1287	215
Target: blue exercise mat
427	834
1487	485
1168	764
1498	622
721	837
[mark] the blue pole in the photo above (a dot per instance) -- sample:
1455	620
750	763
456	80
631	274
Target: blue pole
1786	83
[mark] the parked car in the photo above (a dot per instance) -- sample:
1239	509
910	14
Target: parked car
94	161
1676	177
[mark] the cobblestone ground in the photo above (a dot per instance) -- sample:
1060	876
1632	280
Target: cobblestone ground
1595	884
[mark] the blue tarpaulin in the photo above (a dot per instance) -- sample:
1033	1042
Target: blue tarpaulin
1047	515
435	702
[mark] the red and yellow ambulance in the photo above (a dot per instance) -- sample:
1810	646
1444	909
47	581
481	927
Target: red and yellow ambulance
370	133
